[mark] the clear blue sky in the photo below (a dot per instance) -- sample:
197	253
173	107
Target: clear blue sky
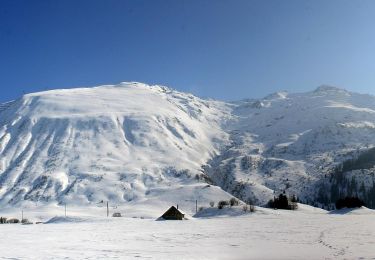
222	49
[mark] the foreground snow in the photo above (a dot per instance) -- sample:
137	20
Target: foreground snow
267	234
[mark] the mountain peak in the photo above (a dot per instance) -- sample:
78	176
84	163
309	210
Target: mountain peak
277	95
328	89
132	84
140	85
120	138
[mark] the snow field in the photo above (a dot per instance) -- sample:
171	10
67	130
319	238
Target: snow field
267	234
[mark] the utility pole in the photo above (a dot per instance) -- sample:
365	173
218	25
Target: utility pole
21	216
107	210
196	206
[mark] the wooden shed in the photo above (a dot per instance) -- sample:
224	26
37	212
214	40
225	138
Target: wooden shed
173	214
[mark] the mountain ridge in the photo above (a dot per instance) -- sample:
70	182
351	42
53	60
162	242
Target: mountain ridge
122	142
74	145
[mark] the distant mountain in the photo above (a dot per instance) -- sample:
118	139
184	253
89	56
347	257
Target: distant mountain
133	142
293	142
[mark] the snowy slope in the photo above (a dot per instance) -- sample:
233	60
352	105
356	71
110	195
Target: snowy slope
136	143
117	143
290	142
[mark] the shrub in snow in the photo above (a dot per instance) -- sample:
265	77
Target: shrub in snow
222	204
233	202
212	204
3	220
294	198
200	209
282	202
249	201
349	202
25	221
116	215
252	208
248	208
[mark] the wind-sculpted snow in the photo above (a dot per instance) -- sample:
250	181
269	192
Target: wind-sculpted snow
105	143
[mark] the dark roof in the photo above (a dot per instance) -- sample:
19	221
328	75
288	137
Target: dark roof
173	214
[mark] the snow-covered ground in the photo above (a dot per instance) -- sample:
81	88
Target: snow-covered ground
144	148
308	233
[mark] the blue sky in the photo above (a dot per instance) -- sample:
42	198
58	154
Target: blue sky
222	49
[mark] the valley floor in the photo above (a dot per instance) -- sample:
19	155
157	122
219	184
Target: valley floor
266	234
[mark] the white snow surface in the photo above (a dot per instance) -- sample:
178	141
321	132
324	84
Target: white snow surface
131	142
290	141
117	143
144	148
307	233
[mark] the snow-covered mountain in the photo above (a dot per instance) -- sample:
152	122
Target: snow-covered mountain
293	142
119	143
134	142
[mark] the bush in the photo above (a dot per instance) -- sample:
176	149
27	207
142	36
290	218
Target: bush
282	202
233	202
200	209
222	204
212	204
3	220
252	208
25	221
249	201
294	199
349	202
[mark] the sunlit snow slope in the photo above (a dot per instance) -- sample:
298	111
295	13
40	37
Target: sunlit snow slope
291	142
136	143
117	143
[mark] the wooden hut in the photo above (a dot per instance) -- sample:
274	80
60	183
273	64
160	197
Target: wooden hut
173	214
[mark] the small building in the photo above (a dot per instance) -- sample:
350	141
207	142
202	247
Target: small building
13	221
173	214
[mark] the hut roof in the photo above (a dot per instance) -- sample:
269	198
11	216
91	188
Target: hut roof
173	214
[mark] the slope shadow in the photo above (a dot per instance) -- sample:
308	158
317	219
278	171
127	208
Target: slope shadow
343	211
